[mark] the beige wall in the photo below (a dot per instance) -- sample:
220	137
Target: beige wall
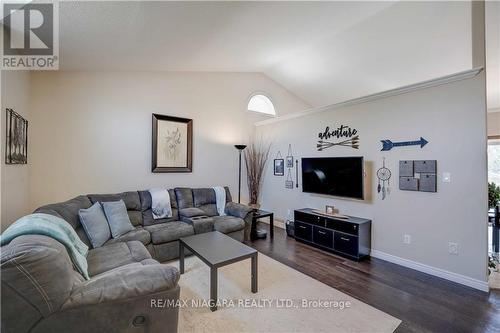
14	178
91	131
494	124
452	118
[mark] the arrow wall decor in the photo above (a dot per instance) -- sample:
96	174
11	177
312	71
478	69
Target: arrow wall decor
388	144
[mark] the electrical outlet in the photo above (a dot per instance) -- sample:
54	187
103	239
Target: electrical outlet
407	239
453	248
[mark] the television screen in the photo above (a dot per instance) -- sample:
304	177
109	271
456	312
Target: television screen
338	176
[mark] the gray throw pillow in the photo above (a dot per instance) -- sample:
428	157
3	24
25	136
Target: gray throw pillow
118	220
95	225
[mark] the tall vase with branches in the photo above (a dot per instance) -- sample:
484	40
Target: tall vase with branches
256	156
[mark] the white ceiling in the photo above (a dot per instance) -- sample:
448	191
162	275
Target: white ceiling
323	52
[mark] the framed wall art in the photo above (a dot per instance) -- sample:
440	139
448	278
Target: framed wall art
172	144
16	143
289	157
279	167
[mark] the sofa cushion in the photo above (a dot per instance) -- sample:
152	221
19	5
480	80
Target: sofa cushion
131	199
203	196
110	256
204	199
147	214
68	210
184	197
227	224
168	232
191	212
95	225
138	234
116	213
132	202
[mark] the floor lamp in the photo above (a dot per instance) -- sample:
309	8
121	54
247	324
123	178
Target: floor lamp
240	149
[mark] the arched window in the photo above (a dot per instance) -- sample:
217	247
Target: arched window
261	103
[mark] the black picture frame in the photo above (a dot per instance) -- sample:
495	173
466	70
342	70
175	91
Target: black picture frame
279	167
16	138
188	142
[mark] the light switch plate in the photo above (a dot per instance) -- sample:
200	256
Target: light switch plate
446	177
453	248
406	239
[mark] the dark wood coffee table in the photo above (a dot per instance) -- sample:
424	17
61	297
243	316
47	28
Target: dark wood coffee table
216	250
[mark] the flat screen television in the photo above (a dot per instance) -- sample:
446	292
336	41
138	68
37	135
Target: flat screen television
337	176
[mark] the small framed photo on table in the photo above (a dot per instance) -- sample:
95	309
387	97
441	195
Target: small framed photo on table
330	210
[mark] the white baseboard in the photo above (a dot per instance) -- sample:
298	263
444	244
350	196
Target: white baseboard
447	275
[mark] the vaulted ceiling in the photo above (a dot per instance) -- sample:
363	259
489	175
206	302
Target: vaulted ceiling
323	52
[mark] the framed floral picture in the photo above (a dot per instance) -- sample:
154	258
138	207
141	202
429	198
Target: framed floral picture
172	144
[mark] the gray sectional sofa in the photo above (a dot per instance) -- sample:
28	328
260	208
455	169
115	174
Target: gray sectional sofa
42	291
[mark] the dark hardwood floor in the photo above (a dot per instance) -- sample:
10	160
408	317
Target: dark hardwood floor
423	302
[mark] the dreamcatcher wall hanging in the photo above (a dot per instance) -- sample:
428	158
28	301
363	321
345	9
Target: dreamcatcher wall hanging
383	175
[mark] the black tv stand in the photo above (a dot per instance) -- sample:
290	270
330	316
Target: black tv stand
349	237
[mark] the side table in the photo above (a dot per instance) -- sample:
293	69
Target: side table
254	232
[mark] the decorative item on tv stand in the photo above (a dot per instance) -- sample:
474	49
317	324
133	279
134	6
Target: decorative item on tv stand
330	211
256	156
384	175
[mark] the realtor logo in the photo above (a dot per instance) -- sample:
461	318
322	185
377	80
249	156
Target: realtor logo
30	36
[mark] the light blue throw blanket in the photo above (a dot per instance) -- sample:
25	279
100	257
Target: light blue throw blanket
220	199
54	227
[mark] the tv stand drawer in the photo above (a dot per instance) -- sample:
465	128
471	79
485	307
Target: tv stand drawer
345	243
323	237
303	231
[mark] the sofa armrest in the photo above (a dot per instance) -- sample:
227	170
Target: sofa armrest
124	283
191	212
238	210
